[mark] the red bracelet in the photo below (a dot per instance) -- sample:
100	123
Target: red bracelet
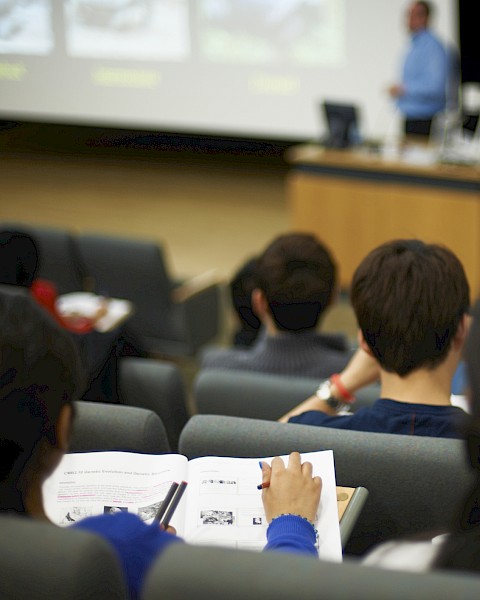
342	390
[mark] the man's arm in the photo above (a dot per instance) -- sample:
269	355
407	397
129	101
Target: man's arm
362	370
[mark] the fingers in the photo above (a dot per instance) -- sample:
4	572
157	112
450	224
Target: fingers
266	472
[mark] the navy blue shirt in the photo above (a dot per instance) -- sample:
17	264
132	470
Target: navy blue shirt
390	416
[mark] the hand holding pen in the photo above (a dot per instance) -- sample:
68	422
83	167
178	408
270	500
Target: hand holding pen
290	489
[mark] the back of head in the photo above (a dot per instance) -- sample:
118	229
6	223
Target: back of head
242	285
39	373
298	276
18	258
409	298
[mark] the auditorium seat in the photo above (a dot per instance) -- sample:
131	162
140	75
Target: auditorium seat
40	561
169	318
109	427
157	386
415	484
259	395
187	572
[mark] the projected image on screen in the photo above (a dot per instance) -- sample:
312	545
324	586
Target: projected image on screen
270	31
25	27
128	29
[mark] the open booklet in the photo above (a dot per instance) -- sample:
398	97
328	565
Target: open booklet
221	506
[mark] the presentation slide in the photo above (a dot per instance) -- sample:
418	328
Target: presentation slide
247	68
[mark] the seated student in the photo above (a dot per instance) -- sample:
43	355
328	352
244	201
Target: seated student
411	301
459	548
241	287
295	285
39	378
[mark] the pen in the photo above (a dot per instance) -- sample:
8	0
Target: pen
263	485
166	501
174	504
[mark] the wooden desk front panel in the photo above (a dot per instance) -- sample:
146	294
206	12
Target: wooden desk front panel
353	216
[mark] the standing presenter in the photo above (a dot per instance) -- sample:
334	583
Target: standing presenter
422	92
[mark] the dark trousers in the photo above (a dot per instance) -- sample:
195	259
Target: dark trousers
418	126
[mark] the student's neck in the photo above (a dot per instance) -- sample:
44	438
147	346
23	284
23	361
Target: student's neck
422	386
33	501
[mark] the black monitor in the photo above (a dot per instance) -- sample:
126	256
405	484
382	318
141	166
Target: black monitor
342	123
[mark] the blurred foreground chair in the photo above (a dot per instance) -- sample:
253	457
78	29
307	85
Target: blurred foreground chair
415	484
170	318
259	395
184	572
40	561
106	427
157	386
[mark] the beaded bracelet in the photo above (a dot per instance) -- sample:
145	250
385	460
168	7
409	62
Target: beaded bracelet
300	516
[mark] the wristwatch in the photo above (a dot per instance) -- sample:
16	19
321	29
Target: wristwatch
324	392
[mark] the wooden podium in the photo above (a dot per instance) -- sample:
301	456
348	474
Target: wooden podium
354	200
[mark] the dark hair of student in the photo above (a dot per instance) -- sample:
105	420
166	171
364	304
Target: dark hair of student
298	276
39	373
409	298
241	286
462	549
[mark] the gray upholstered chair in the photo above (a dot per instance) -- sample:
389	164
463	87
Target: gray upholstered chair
258	395
41	561
185	572
99	426
157	386
415	484
169	319
57	257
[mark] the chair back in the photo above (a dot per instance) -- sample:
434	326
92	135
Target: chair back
415	484
98	426
185	572
157	386
134	270
42	561
258	395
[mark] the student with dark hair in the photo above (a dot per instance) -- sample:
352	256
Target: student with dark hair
411	300
295	284
39	379
241	287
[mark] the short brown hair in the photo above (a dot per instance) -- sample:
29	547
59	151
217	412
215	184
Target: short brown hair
297	275
409	298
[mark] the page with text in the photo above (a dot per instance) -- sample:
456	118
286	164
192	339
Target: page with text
93	483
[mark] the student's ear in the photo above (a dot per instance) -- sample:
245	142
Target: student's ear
462	331
259	303
363	344
63	428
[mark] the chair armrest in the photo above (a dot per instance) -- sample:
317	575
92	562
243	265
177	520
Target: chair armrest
193	286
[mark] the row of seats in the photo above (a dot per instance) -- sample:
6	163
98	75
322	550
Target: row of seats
170	317
415	484
430	474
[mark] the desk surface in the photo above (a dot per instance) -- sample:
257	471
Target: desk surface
417	162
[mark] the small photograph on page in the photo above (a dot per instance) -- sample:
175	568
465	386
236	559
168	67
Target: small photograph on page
217	517
112	509
75	513
248	517
147	513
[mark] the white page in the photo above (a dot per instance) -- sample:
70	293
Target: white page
224	506
93	483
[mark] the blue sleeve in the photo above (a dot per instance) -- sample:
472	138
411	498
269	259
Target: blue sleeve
290	533
136	543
